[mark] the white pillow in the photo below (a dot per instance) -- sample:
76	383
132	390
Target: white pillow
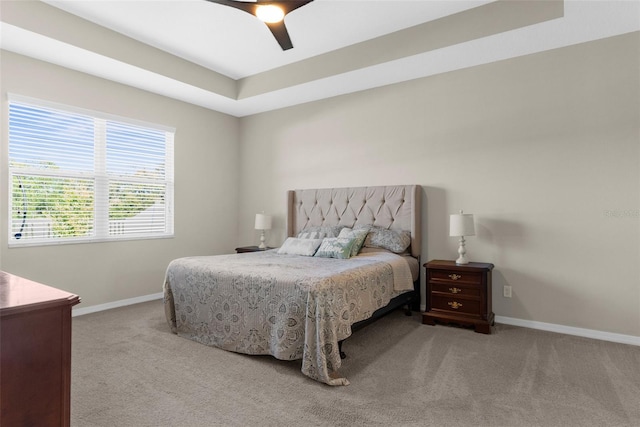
322	230
296	246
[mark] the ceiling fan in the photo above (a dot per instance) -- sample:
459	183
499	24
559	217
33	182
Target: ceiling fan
272	13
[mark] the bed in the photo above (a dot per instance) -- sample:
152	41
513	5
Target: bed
300	303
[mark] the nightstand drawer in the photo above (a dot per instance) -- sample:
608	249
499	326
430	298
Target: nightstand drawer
457	289
456	305
455	276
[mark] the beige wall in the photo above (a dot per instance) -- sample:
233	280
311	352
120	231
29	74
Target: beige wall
206	159
543	149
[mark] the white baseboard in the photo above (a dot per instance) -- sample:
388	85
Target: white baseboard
550	327
569	330
115	304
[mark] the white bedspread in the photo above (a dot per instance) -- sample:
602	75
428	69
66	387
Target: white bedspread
289	306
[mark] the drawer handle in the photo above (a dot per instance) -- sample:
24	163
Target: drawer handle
455	305
454	276
455	290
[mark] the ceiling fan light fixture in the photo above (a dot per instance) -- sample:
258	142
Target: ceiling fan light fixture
269	13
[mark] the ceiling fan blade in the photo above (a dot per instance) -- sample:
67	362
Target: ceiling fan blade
249	7
279	31
288	6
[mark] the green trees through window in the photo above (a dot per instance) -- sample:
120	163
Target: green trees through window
77	177
52	207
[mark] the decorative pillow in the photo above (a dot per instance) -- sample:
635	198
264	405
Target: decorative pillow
312	235
359	235
328	230
335	247
391	240
295	246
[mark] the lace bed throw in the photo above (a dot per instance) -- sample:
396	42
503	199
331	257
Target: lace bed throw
289	306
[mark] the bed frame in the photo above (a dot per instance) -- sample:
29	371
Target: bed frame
395	207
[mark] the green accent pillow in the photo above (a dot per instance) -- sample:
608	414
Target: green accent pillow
335	247
359	235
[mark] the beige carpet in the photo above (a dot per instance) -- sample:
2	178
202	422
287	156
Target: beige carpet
129	370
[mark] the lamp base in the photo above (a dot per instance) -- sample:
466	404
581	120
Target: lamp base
462	259
262	244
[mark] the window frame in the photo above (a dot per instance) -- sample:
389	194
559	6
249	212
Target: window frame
99	175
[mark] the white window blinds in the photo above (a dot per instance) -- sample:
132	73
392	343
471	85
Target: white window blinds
77	176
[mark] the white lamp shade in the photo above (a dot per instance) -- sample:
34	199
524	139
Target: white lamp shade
461	225
263	222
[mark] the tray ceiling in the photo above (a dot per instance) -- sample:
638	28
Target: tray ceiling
227	60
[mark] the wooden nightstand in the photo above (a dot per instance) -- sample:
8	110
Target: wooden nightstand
459	294
245	249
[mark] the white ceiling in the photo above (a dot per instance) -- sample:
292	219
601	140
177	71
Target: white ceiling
340	46
236	44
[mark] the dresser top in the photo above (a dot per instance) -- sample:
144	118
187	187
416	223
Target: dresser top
18	294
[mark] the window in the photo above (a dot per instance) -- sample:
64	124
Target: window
77	176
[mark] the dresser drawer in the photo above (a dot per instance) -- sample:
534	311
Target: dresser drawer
452	304
455	276
457	289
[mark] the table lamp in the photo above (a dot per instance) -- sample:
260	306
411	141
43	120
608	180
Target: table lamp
263	222
461	225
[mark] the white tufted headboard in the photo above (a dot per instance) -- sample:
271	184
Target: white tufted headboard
396	207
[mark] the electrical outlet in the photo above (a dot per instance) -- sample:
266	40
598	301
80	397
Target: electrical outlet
506	291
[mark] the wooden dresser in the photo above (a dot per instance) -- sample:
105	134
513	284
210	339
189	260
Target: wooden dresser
459	294
35	353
